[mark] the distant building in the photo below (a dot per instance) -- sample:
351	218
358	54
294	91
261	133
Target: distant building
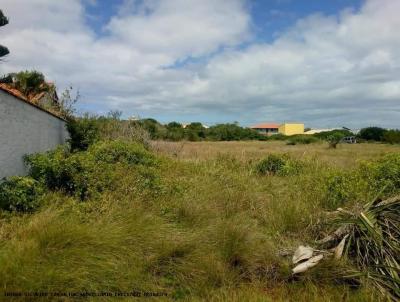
315	131
266	128
291	129
184	125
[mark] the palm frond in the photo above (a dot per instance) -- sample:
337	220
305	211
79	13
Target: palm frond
373	243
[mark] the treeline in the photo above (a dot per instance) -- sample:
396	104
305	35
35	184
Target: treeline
89	128
112	126
378	134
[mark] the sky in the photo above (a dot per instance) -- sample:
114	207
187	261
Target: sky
325	63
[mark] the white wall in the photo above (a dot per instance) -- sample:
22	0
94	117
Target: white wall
25	129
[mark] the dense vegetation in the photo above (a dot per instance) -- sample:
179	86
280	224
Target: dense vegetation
380	135
110	215
111	126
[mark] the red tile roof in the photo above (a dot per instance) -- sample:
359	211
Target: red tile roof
15	92
265	126
19	95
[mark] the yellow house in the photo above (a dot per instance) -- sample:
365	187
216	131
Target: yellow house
291	129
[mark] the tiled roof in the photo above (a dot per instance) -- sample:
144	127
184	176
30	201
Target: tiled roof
265	126
15	92
19	95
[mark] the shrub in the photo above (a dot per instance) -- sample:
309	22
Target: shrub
84	174
76	174
48	167
111	127
278	137
392	136
372	133
384	173
123	152
83	132
302	139
231	132
337	132
278	165
153	127
339	189
20	194
29	81
334	139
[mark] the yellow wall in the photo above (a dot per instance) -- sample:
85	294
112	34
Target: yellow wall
291	129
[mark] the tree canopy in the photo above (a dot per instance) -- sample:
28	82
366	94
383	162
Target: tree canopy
3	21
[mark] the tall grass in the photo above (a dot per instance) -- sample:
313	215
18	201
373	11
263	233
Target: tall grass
203	230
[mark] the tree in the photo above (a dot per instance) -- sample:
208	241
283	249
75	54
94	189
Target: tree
3	21
337	132
392	136
153	127
334	139
83	132
195	131
67	103
372	133
30	82
174	125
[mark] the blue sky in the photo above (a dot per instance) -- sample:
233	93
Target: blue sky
269	16
273	16
324	63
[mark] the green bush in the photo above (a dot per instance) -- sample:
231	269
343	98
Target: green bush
232	132
122	152
339	189
280	165
384	173
76	174
372	133
30	82
83	132
86	173
20	194
335	133
278	137
392	136
334	139
302	139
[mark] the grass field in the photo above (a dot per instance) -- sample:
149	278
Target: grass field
346	155
199	225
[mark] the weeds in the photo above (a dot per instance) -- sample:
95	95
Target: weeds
20	194
200	229
280	165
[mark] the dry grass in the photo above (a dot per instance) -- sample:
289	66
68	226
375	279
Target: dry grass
346	155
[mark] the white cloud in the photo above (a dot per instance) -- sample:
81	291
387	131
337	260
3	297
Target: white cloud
325	70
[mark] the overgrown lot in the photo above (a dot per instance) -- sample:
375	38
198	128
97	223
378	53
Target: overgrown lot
123	217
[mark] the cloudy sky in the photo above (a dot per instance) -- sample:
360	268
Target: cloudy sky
325	63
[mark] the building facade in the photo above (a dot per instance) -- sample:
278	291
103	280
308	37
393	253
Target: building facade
291	129
25	128
266	128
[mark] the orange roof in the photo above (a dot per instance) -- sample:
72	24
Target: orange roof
265	126
15	92
19	95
